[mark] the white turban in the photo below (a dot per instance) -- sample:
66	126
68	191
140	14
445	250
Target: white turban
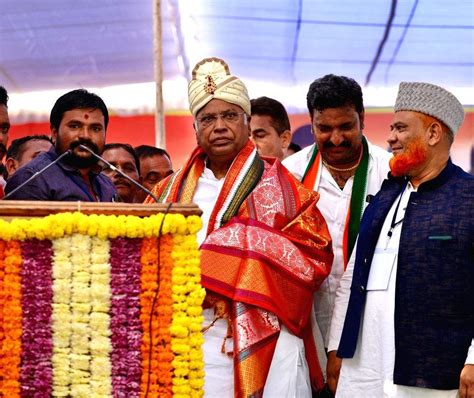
212	79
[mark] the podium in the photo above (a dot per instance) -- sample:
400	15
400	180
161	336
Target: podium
100	300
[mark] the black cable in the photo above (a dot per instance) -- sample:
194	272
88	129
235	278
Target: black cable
155	299
388	26
402	38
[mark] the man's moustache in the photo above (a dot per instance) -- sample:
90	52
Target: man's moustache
121	181
344	144
88	144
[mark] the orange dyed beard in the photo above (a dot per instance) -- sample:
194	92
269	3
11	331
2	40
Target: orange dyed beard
414	155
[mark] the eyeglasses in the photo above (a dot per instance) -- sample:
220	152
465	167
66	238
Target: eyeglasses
211	119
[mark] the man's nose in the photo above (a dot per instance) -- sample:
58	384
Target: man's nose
337	138
84	132
220	124
391	137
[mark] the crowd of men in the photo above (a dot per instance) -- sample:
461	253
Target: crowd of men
341	269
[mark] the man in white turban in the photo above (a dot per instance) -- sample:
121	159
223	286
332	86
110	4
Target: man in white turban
265	249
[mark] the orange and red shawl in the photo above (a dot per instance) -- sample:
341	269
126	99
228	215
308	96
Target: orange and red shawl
267	261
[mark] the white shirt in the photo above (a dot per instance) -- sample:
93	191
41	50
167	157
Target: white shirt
289	373
370	372
334	204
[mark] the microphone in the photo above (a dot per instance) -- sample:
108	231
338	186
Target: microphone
112	167
39	172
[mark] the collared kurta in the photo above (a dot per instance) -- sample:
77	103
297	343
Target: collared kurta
334	204
60	182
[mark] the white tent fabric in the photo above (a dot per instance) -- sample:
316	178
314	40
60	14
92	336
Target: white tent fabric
276	46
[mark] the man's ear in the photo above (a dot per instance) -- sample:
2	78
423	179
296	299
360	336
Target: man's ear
435	133
54	135
11	165
285	139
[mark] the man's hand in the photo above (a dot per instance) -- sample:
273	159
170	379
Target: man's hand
333	368
466	387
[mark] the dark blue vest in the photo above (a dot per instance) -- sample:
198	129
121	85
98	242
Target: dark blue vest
434	296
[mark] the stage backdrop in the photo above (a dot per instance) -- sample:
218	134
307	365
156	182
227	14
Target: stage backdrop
180	135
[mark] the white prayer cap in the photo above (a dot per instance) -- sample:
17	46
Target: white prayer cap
431	100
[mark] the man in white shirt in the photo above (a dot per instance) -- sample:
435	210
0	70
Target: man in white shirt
263	241
404	314
344	168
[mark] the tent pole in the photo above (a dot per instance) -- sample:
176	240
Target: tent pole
160	136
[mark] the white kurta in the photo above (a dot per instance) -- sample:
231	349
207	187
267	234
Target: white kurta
289	372
334	204
370	372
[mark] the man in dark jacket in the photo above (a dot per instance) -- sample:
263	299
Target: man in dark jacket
407	294
77	117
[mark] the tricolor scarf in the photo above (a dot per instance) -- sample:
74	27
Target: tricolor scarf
241	178
311	179
277	247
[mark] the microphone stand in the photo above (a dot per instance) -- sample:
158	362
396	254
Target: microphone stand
68	152
112	167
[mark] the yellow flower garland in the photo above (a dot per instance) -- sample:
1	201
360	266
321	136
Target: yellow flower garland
102	226
61	316
81	330
99	322
186	335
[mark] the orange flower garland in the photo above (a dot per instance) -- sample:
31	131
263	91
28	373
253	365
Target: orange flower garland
157	376
165	314
10	357
149	286
2	301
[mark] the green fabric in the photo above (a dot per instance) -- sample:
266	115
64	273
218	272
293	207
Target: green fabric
251	179
357	196
311	161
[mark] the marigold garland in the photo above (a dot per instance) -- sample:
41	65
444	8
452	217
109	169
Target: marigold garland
2	302
12	321
77	350
149	286
187	339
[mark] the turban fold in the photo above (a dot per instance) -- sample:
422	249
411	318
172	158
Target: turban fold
431	100
211	79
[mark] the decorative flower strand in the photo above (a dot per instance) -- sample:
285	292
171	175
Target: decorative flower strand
12	321
125	316
36	372
62	316
186	341
80	314
164	313
149	286
2	302
99	322
103	226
